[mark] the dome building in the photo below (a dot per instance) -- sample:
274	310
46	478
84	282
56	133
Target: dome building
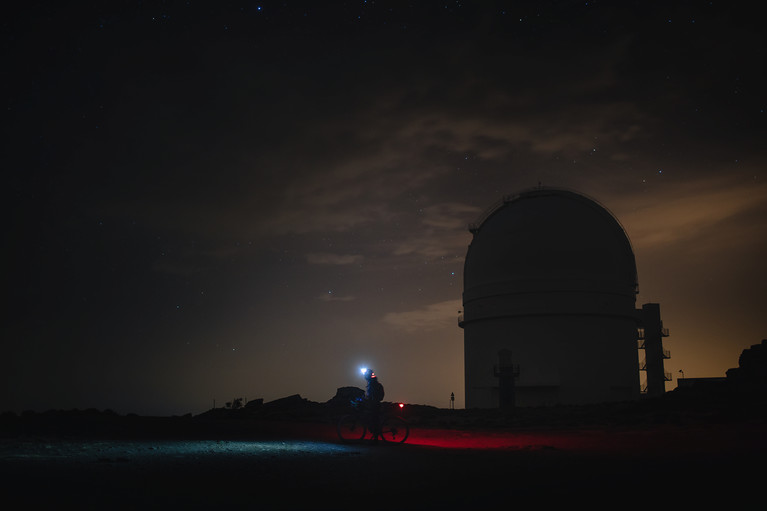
549	317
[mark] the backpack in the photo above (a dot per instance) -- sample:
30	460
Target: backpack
376	390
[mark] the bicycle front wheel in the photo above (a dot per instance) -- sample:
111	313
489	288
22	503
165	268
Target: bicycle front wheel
350	428
394	429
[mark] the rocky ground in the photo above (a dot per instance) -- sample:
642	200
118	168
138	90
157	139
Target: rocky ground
677	450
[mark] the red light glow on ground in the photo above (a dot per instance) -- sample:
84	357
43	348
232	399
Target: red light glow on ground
628	441
455	439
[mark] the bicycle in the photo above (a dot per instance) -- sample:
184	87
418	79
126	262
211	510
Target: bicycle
355	426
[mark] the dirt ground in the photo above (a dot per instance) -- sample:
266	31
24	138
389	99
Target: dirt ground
300	465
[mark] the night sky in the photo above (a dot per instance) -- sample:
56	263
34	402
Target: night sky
212	200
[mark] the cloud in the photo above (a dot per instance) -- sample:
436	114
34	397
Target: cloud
332	297
450	215
443	231
434	245
353	157
333	259
431	317
702	209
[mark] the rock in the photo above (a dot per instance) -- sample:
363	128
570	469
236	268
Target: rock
254	404
289	402
346	394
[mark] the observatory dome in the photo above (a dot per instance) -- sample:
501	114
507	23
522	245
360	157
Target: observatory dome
549	300
548	251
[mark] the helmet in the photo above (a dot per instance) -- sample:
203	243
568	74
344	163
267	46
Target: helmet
368	373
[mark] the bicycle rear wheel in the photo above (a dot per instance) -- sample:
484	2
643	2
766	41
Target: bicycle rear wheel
350	428
394	429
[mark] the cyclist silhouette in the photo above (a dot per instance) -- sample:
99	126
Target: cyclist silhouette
374	394
369	416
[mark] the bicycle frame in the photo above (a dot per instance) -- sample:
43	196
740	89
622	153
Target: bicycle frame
356	426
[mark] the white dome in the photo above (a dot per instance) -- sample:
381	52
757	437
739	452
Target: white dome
549	297
549	251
